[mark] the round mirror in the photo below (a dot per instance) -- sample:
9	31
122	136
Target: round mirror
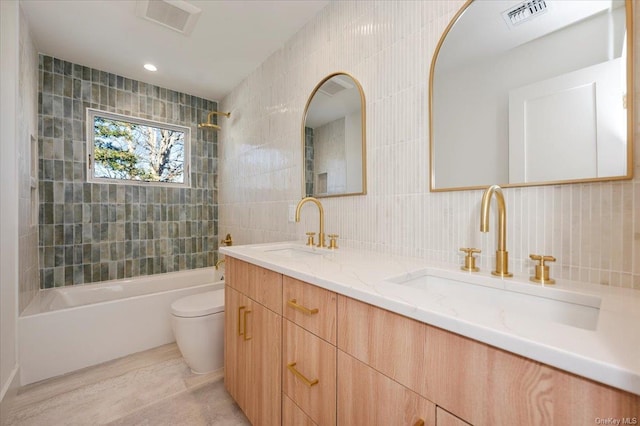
532	92
333	139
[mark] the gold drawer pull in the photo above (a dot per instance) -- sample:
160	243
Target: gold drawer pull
293	303
240	331
246	335
420	422
292	367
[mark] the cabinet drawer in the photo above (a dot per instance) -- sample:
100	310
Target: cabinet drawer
313	308
260	284
388	342
308	358
366	397
292	415
445	418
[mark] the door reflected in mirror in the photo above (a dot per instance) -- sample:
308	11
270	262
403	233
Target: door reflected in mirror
333	138
531	96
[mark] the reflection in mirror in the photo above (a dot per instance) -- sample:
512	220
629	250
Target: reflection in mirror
532	95
333	138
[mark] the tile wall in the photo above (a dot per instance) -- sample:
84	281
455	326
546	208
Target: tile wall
592	229
92	232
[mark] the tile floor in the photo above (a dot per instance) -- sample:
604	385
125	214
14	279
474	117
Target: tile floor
154	387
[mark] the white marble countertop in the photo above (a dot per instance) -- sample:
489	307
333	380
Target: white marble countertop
609	353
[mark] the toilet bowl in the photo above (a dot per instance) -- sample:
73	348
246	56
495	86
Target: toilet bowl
198	326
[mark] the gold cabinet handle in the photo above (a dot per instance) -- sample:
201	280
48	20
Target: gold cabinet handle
246	335
294	304
420	422
292	367
240	331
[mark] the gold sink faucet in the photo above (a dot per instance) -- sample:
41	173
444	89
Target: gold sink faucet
320	209
502	256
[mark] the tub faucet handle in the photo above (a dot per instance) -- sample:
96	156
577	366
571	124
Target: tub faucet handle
469	259
542	271
228	241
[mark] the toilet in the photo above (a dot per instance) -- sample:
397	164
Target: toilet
198	326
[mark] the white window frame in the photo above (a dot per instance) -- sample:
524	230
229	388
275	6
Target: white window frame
90	147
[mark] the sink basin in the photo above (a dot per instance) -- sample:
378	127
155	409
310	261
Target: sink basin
292	251
547	305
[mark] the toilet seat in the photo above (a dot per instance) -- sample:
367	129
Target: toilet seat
198	305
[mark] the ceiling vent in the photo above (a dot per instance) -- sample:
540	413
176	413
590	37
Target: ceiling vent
524	11
334	86
178	15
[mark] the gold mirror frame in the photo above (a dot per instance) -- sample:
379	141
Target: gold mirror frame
364	137
629	106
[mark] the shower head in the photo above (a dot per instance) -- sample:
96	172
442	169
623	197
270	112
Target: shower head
209	124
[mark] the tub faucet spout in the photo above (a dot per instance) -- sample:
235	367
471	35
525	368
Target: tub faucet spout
502	256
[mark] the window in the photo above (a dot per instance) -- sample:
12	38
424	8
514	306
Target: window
122	149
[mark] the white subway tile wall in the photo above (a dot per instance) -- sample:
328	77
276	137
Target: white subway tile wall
592	229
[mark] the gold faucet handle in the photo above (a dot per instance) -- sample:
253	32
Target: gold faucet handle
542	271
332	241
469	259
310	236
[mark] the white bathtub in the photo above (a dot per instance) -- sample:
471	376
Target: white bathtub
65	329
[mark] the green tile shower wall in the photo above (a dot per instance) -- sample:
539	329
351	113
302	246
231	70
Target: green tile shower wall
92	232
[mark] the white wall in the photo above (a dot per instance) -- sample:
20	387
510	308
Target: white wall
9	71
18	233
26	129
387	46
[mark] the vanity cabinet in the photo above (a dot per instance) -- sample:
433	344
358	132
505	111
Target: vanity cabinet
477	383
377	367
253	340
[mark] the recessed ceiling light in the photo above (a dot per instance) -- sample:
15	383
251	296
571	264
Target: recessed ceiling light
150	67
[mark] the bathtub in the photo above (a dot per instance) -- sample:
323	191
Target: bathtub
65	329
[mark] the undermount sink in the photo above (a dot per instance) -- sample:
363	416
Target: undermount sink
292	251
569	308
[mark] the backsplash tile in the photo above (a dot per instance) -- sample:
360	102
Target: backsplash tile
592	229
93	232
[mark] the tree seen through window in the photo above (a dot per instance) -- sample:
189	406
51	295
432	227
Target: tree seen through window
127	150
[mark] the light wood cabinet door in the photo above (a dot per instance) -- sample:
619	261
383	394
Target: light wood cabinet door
292	415
235	351
253	346
309	368
479	383
367	397
311	307
263	334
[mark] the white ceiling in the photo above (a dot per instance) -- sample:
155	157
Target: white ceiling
229	41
